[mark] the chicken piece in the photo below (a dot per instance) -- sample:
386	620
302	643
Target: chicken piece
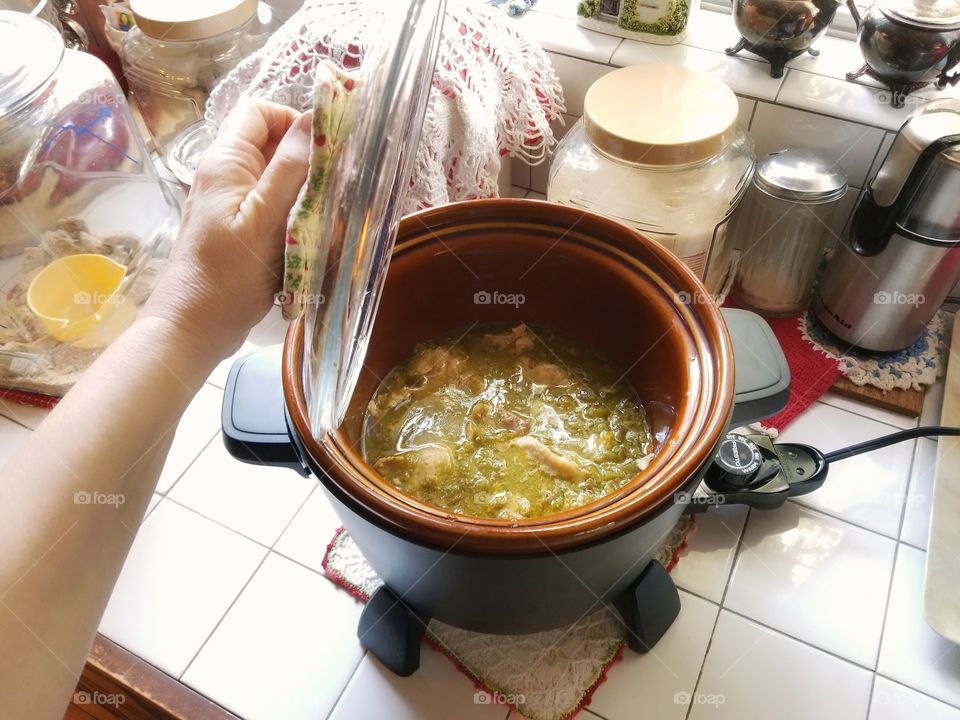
74	226
546	373
512	422
550	461
422	467
436	361
518	339
34	258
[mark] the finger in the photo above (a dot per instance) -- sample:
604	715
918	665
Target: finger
278	187
260	123
244	145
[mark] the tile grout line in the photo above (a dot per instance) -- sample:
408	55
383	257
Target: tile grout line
906	490
716	620
918	691
356	669
886	607
189	464
223	616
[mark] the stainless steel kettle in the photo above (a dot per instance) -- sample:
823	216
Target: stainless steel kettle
902	253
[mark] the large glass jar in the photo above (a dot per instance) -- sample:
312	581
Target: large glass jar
80	204
658	149
176	55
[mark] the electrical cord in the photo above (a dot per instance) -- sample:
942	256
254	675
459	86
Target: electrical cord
891	439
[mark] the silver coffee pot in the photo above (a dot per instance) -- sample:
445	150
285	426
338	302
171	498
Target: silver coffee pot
902	253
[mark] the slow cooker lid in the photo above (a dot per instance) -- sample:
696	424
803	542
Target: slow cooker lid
361	204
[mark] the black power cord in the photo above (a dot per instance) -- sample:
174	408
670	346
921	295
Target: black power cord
891	439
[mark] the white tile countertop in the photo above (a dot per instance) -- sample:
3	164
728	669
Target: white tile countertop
813	610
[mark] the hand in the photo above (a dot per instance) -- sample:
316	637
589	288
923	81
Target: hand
228	261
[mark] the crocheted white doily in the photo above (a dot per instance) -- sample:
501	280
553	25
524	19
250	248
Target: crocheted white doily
494	92
547	675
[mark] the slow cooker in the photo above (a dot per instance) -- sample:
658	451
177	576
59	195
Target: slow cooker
592	279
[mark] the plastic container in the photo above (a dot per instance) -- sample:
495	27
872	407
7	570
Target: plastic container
75	179
173	58
782	228
658	149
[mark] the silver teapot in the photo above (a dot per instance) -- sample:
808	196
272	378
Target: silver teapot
779	30
908	44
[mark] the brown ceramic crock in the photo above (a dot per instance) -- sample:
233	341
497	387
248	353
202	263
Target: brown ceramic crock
573	271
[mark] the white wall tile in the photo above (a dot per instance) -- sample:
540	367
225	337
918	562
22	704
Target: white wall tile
888	139
180	577
306	538
747	106
286	649
12	438
892	701
666	675
850	145
815	578
576	76
254	500
712	31
199	424
704	567
912	653
519	172
437	691
916	517
754	672
840	98
867	490
894	419
560	35
745	76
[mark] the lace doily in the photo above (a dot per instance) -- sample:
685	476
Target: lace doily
546	676
920	364
494	92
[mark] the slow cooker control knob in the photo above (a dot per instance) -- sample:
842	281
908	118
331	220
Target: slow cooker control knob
736	463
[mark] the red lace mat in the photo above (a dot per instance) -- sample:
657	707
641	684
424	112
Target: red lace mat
22	397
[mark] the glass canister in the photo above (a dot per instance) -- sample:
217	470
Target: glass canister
174	57
658	148
782	227
85	222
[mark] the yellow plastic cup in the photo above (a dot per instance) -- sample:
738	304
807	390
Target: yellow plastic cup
77	300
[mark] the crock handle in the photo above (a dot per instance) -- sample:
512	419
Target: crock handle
254	417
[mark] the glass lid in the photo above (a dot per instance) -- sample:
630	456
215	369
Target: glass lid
366	177
32	50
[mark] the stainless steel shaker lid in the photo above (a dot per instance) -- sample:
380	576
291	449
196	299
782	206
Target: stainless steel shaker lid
32	50
801	175
930	14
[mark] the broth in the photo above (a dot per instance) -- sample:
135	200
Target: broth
506	422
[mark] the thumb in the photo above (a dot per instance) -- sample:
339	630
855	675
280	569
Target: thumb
277	189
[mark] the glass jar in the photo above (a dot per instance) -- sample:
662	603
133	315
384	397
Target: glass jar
658	149
175	56
782	227
75	180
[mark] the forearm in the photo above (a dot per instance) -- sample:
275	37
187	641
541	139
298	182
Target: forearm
69	510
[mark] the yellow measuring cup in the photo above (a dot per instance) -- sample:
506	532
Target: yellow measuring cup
77	300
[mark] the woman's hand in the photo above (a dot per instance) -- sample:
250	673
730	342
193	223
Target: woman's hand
228	261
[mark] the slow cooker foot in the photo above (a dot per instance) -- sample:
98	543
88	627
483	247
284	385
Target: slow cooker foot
392	632
648	607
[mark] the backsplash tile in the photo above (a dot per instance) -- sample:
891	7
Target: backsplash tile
851	145
745	76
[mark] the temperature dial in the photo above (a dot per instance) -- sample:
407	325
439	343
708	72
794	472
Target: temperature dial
736	463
